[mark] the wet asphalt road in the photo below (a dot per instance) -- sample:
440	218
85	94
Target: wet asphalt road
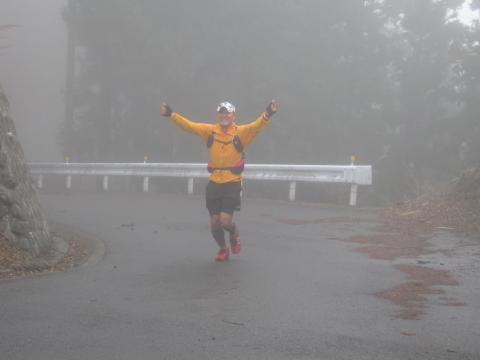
295	292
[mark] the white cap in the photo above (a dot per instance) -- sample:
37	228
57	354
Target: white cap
227	106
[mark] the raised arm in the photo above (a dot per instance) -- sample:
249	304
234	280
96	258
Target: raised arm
201	129
248	132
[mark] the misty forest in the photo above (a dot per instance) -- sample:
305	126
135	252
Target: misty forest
394	82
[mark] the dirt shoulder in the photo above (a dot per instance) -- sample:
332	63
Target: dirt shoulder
408	238
71	249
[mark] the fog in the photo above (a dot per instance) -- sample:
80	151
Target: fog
32	72
394	83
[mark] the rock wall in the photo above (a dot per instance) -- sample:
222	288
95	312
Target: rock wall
22	222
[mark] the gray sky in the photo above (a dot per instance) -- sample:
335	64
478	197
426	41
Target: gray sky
32	72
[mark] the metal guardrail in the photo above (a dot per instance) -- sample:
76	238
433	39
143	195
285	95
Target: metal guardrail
348	174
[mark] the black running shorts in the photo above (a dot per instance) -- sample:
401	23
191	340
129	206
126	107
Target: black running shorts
223	197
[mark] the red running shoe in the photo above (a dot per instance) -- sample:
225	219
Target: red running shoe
223	254
235	242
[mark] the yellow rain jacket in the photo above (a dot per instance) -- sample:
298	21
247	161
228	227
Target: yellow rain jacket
223	155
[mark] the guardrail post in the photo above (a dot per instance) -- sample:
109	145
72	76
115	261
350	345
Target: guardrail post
190	186
353	187
40	181
291	194
146	180
145	184
353	195
105	183
69	177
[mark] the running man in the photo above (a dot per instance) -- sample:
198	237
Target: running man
226	142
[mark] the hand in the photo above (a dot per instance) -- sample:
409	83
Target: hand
165	110
272	108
